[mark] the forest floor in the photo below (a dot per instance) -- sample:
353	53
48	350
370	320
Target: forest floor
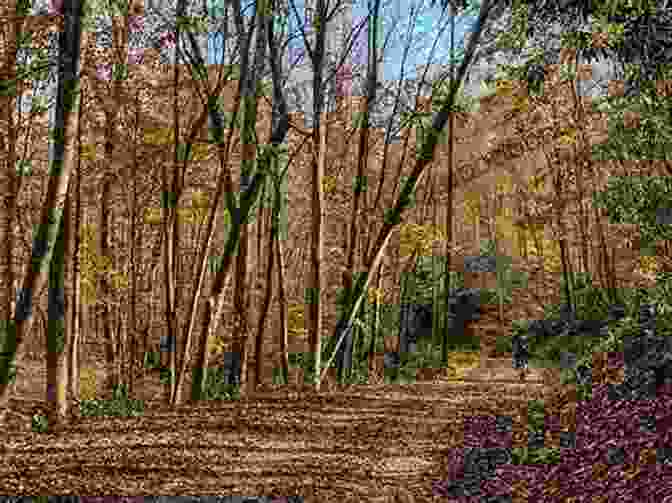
354	443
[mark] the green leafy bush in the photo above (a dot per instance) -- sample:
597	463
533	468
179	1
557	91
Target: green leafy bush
120	405
40	423
152	360
216	387
527	456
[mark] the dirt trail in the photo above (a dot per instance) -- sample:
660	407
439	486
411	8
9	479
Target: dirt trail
357	442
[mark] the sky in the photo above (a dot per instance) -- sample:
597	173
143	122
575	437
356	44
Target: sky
430	24
395	21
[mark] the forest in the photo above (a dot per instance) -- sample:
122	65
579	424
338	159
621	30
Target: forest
233	253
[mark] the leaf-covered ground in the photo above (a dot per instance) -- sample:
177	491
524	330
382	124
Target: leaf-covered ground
357	443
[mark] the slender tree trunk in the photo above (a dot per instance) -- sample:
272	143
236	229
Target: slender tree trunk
75	310
134	272
111	378
57	343
317	251
376	324
451	183
284	343
363	153
272	236
9	183
170	222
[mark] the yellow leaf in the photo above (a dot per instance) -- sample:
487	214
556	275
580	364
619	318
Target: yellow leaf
200	151
521	241
119	280
186	215
521	104
87	383
472	206
199	200
568	136
648	265
504	87
87	152
328	184
535	184
504	184
375	295
158	136
152	216
504	226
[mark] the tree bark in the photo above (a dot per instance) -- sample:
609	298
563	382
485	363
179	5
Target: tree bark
75	316
57	336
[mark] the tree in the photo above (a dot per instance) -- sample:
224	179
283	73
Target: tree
23	58
61	168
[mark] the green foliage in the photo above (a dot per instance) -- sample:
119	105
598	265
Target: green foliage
508	278
515	36
652	137
503	345
164	374
491	296
429	272
635	200
6	325
120	405
527	456
544	455
661	294
591	302
216	387
535	414
40	423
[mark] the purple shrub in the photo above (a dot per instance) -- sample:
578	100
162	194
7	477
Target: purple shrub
623	451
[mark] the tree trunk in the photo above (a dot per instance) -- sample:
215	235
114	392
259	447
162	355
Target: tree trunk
111	377
451	183
267	299
57	343
171	230
376	325
75	309
9	182
134	333
317	250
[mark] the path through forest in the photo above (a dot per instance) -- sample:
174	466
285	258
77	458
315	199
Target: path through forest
354	443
